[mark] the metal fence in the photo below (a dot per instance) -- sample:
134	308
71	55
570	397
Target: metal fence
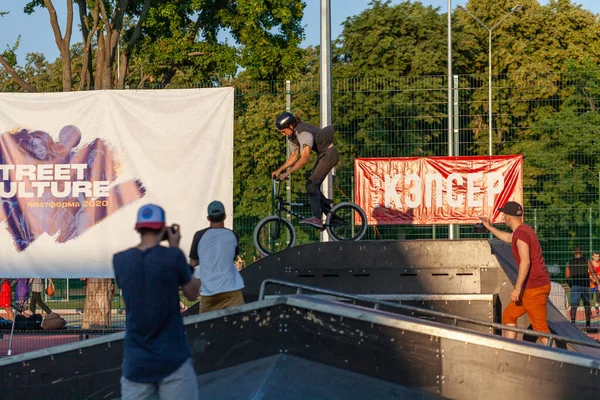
552	120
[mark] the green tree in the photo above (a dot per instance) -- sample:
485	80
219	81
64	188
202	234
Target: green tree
562	163
530	51
63	41
394	103
178	49
174	41
269	34
8	59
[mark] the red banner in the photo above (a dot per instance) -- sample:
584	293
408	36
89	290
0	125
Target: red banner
436	190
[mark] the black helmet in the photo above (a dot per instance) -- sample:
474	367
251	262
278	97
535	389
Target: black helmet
284	120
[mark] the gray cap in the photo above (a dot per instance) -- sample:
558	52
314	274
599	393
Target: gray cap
216	208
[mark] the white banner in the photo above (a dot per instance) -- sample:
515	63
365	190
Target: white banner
75	168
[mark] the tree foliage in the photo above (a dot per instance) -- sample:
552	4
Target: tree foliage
562	166
530	51
135	42
395	55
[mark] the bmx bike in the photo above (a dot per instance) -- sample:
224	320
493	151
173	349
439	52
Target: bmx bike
345	221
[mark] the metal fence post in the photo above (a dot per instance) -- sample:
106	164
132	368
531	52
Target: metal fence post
456	138
288	151
590	233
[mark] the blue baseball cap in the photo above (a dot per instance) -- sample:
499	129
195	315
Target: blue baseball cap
216	208
150	216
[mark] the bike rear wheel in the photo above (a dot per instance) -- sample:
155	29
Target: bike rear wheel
273	234
346	222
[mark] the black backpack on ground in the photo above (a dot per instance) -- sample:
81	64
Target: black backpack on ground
28	323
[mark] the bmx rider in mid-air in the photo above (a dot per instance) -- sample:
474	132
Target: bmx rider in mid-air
303	138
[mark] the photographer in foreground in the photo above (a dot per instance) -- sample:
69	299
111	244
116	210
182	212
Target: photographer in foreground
157	358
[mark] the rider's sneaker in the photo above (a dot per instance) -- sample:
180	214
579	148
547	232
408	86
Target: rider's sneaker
313	221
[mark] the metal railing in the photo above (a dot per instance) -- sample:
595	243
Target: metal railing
455	318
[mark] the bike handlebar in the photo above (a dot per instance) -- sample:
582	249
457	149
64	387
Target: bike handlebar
276	183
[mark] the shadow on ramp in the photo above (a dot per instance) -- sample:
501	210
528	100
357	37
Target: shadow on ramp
289	377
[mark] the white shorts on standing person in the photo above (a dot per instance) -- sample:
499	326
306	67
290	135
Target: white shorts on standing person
156	355
214	250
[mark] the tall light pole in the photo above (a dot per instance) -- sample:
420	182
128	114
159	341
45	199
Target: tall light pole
326	88
450	131
490	120
449	56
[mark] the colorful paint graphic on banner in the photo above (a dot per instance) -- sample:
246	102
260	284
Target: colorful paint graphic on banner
60	188
436	190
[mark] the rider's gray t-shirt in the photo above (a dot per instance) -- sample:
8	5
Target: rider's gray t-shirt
317	139
300	140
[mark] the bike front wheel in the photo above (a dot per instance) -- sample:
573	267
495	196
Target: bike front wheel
346	222
273	234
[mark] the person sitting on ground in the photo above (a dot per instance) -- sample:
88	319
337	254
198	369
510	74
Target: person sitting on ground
213	251
26	320
303	138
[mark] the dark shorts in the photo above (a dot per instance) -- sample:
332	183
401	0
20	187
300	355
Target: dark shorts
579	293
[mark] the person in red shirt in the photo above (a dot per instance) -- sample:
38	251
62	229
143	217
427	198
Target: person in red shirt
6	298
595	262
578	272
533	281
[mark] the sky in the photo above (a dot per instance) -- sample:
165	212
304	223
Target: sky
37	36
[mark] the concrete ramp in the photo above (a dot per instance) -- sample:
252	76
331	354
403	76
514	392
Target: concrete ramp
312	348
384	269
